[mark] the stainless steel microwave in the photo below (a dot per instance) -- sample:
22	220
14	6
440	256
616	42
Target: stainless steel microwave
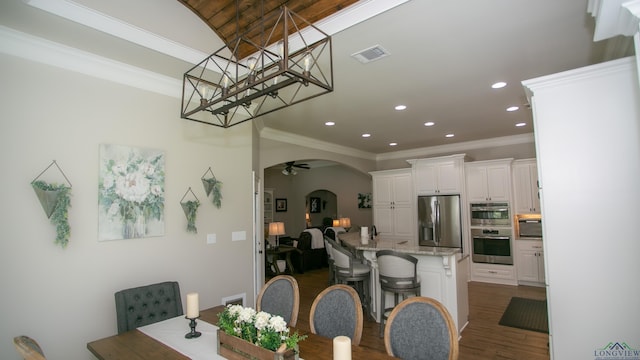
490	214
529	228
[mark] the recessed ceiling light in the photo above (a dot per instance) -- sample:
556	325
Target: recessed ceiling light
366	135
449	135
393	144
329	123
429	123
499	85
521	124
400	107
512	108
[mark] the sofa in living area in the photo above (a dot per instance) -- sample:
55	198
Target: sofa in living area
311	253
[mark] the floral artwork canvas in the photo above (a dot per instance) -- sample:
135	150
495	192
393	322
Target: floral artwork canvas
131	192
364	200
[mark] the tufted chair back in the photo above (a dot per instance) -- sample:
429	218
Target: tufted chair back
147	304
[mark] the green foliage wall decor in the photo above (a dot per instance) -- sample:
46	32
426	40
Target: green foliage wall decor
59	216
213	186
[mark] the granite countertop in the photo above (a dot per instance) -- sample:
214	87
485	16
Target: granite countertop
379	243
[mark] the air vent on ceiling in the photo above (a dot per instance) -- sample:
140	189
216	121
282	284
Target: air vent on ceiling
371	54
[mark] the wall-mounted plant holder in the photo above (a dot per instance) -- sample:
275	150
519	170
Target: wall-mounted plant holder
212	186
55	200
190	208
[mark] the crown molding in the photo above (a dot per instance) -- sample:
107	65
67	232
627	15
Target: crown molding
78	13
531	86
283	136
102	22
286	137
47	52
614	17
458	147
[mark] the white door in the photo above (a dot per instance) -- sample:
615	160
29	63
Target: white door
258	230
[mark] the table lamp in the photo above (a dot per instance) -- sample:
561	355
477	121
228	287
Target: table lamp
277	229
345	223
336	222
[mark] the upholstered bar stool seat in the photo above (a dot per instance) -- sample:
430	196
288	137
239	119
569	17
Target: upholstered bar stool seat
348	270
398	275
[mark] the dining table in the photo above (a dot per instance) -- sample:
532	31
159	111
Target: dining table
136	345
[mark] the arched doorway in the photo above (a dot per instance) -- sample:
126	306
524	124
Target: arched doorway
320	204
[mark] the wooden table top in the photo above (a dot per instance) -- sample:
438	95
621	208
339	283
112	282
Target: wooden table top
134	345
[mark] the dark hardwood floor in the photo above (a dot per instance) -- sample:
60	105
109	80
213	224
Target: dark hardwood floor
482	339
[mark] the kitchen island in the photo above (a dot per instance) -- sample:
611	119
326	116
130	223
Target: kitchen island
443	273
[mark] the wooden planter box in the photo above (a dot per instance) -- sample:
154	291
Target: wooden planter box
235	348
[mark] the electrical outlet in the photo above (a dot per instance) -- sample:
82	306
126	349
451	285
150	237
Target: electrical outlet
211	238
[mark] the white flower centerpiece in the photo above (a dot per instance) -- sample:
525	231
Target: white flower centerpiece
132	191
257	328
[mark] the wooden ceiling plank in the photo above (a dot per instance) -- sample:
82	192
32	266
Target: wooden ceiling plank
220	15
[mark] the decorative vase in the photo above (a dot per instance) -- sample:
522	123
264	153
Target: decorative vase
234	348
136	227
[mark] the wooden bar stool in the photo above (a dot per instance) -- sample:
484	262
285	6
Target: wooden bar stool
398	275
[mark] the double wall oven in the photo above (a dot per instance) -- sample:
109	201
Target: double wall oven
491	233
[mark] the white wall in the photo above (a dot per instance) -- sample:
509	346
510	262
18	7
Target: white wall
64	297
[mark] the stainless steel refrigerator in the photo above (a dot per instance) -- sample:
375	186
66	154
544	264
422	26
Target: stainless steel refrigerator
439	221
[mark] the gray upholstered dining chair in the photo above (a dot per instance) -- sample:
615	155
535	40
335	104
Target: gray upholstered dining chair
147	304
280	296
337	311
28	348
398	275
421	328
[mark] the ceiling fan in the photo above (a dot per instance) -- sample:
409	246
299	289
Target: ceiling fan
289	168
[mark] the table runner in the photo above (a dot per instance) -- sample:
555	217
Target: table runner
171	333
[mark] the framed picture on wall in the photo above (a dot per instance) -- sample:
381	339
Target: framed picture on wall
314	205
281	205
364	201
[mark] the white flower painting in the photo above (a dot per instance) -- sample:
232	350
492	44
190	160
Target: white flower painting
131	193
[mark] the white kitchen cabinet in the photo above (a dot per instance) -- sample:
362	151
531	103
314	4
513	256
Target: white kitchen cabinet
438	176
493	273
525	187
488	180
393	203
588	155
530	262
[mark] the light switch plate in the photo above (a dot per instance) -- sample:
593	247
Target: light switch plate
238	235
211	238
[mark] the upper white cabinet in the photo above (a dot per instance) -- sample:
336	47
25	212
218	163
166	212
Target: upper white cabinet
488	180
393	213
525	187
438	176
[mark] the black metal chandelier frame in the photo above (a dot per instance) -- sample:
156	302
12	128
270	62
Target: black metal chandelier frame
224	90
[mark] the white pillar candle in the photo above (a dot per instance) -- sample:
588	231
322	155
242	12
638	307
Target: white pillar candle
341	348
193	309
364	231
